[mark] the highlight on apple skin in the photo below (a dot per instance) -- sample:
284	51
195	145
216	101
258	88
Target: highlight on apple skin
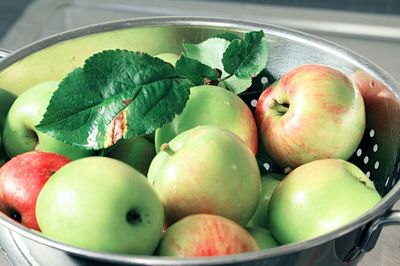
205	235
313	112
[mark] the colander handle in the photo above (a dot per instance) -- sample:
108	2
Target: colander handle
3	53
372	233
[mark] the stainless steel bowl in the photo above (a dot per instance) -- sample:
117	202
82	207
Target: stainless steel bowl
54	57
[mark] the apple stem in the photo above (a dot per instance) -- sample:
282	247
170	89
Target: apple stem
165	147
280	108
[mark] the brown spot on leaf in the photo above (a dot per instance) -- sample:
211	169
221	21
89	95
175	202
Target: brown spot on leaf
127	102
117	129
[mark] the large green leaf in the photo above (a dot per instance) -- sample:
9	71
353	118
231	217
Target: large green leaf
117	94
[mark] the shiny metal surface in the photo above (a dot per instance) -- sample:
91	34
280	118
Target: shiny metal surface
287	49
4	53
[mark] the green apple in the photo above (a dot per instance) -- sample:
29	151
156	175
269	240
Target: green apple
169	57
212	105
269	183
20	134
205	235
319	197
6	100
263	237
313	112
101	204
137	152
206	169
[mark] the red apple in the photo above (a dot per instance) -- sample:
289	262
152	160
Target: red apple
205	235
21	180
313	112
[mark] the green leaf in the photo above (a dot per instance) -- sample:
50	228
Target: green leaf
233	56
195	71
245	59
225	35
209	52
117	94
237	85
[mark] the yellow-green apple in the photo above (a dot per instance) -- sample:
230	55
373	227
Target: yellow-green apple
20	134
269	183
101	204
202	235
206	169
317	198
312	112
263	237
138	152
21	180
6	100
212	105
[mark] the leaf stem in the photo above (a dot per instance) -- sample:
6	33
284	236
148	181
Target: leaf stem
225	78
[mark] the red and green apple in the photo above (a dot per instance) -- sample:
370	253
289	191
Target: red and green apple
202	235
21	180
206	169
312	112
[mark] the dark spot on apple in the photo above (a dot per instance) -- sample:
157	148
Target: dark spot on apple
35	137
210	82
133	217
15	215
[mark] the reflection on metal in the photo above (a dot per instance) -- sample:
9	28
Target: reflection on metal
3	53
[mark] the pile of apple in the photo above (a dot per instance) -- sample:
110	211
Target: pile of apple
197	190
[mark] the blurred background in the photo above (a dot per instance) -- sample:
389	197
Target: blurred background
368	27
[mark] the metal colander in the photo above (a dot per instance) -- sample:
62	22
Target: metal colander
377	155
